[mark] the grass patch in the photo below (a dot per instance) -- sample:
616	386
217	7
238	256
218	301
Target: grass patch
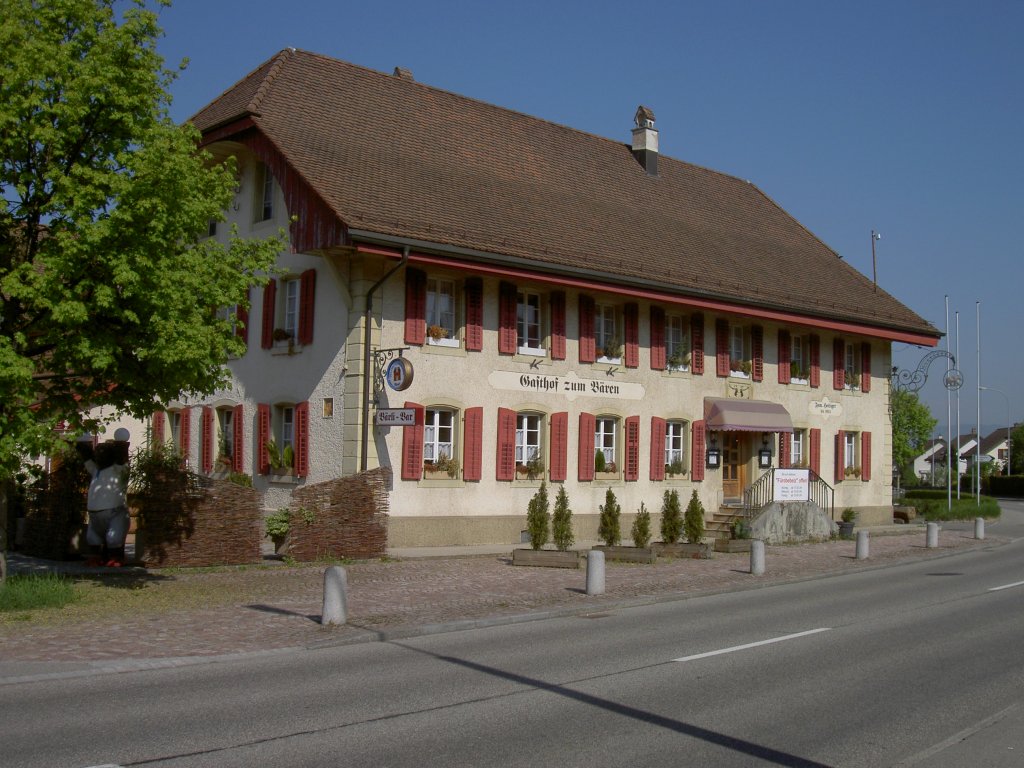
935	509
35	591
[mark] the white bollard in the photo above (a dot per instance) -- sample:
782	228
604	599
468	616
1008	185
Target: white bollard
862	545
595	572
979	527
335	596
932	536
757	557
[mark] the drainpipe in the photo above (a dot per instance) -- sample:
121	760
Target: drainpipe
367	372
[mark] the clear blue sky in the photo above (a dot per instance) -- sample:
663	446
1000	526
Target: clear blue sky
906	118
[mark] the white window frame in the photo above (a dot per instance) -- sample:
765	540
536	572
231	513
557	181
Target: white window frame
606	433
739	350
174	417
675	442
225	433
851	449
677	341
442	311
851	366
264	194
800	353
797	447
439	428
529	430
529	327
606	331
284	426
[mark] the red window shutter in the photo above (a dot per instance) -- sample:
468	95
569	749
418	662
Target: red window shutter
840	444
865	456
632	448
242	318
698	434
559	446
158	428
415	317
237	452
784	357
474	316
722	361
506	454
185	433
657	339
508	300
631	319
657	448
784	446
269	307
206	439
865	367
588	347
815	345
558	326
262	436
412	443
757	353
838	364
307	301
814	438
302	439
472	454
585	445
697	338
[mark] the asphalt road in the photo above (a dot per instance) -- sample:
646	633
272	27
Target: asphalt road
918	664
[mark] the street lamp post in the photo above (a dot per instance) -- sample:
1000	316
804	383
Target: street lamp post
874	264
1009	447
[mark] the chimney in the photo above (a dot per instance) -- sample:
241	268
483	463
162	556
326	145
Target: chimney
645	140
402	73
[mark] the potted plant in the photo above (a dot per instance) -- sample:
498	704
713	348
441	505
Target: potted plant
739	537
679	360
612	349
847	521
444	464
609	532
692	529
281	461
437	332
278	524
280	335
675	469
535	467
599	462
538	526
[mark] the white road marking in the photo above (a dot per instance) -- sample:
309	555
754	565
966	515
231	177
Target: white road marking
1007	586
753	645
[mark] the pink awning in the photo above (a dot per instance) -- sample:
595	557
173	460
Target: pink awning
726	414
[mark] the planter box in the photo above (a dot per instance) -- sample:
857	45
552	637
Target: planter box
546	558
696	551
629	554
732	545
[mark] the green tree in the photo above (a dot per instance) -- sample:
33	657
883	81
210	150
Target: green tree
109	288
561	522
538	519
671	517
641	530
1017	450
608	525
912	427
693	521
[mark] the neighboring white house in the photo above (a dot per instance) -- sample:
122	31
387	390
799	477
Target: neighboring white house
568	308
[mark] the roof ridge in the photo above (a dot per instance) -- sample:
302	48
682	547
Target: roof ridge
253	107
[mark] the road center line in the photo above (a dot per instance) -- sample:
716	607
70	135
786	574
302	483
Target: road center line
753	645
1007	586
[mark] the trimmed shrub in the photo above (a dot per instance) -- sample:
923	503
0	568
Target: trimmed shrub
671	518
693	523
538	519
561	522
641	530
608	528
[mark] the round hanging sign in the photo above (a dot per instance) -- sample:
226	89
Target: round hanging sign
399	374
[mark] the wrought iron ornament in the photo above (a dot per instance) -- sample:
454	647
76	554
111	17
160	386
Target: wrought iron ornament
382	359
912	381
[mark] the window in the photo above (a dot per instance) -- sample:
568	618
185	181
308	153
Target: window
225	437
211	228
282	438
438	439
677	343
850	464
288	305
264	193
529	454
797	448
529	337
675	448
739	351
440	317
607	338
605	429
851	367
800	360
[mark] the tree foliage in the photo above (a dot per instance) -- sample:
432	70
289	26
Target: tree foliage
561	522
1016	448
538	518
912	427
110	289
671	517
608	529
693	521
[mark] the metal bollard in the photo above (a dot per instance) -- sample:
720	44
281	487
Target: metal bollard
979	527
932	536
595	572
335	609
862	545
757	557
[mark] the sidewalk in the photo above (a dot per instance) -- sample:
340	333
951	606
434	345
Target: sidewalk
188	616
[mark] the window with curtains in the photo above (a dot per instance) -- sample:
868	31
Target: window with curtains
677	343
439	432
675	448
799	359
739	351
529	328
608	336
442	316
529	448
851	454
852	367
225	437
605	445
264	197
288	304
798	448
179	424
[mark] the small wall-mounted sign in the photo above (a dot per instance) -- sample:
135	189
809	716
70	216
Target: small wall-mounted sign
395	417
399	374
824	408
714	458
764	458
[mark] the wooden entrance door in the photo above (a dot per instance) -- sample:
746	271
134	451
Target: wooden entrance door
735	457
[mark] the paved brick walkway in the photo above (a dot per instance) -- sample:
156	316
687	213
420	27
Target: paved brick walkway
279	607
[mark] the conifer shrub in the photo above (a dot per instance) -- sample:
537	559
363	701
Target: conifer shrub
641	530
671	518
608	528
561	522
538	518
693	523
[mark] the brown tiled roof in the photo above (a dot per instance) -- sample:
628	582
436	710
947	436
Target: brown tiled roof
400	158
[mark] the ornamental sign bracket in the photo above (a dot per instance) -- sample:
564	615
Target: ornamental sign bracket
390	369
